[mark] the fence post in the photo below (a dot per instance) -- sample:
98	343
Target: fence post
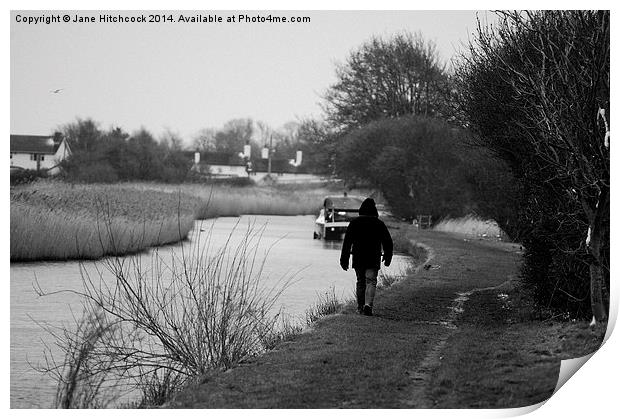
424	221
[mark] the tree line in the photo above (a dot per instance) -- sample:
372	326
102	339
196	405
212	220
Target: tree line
518	132
111	155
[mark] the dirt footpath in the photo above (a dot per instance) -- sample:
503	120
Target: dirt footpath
455	335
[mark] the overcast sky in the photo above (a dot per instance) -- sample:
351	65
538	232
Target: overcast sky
188	76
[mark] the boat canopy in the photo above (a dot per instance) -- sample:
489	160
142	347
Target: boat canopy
343	203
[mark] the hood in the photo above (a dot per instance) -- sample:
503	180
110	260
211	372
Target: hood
368	208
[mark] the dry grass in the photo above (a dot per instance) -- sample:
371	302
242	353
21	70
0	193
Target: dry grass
255	201
499	359
59	221
227	201
53	220
286	329
327	304
230	201
470	225
82	379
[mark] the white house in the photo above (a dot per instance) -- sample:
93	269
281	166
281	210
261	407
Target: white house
38	152
223	165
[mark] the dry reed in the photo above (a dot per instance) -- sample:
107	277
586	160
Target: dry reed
470	225
57	221
227	201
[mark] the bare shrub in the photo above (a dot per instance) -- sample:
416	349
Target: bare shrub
161	323
83	375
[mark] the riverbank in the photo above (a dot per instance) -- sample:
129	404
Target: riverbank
59	221
52	220
459	333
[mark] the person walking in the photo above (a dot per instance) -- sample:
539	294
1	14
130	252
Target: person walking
366	235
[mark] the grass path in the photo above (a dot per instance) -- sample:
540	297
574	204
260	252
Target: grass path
454	335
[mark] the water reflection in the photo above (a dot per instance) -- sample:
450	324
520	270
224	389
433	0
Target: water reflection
331	244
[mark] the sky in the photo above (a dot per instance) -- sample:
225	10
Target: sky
185	77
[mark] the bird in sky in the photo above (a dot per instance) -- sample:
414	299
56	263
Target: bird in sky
56	90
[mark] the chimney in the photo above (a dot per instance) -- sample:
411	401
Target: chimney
57	137
298	158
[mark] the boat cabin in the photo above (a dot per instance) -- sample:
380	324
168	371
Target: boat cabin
335	215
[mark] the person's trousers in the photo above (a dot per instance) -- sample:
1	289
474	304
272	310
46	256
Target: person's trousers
366	286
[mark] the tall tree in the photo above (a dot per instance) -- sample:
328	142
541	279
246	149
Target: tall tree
82	135
263	132
383	78
145	154
234	135
415	161
171	140
204	141
317	143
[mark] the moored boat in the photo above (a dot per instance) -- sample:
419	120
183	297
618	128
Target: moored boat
335	215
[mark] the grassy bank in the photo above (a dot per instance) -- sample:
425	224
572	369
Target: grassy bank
503	334
53	220
459	334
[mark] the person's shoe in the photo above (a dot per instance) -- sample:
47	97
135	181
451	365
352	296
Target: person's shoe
367	311
360	309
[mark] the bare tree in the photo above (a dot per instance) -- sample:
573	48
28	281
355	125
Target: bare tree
234	135
290	131
204	141
82	135
387	78
536	89
171	140
263	132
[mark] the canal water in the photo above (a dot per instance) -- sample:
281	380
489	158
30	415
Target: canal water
312	266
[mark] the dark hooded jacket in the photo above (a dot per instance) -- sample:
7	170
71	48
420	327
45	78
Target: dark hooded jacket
365	237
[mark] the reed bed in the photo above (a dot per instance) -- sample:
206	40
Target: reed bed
471	225
57	221
52	220
227	201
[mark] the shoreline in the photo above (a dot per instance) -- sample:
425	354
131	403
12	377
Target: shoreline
57	221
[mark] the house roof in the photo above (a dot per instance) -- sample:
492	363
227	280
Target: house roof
258	165
277	166
226	159
44	144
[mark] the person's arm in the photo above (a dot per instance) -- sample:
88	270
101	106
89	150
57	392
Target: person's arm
346	247
387	244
